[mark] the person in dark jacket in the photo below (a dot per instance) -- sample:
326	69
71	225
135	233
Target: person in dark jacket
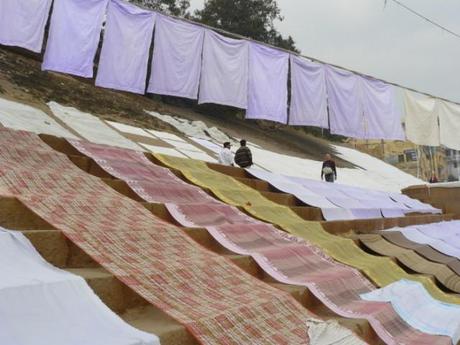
243	156
329	171
433	178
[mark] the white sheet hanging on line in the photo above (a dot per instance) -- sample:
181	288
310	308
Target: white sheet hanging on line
308	94
382	117
125	51
345	103
176	63
267	87
449	124
422	126
421	310
22	23
74	36
43	305
224	73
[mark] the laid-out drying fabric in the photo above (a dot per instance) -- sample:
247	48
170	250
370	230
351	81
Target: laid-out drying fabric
382	117
23	117
224	73
284	257
381	270
57	307
267	87
196	287
422	126
22	23
329	210
417	236
176	63
449	124
414	204
125	51
308	94
90	127
421	311
345	103
331	333
441	230
74	35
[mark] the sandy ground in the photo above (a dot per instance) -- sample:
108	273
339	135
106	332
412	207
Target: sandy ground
21	79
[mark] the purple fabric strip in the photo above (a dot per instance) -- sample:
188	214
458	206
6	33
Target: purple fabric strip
414	204
176	63
125	51
74	36
392	213
267	92
308	94
224	74
445	231
383	120
345	103
22	23
316	194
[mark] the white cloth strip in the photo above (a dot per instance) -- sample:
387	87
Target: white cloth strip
416	306
23	117
57	307
90	127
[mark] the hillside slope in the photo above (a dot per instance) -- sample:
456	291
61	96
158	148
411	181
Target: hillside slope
22	80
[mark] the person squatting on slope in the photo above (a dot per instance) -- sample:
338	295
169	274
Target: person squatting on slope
328	171
243	156
225	155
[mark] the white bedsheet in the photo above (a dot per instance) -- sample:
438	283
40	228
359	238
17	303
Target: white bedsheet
130	129
421	311
43	305
23	117
90	127
163	150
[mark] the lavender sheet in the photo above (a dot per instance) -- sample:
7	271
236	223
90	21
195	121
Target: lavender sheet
345	104
125	51
74	36
267	92
308	94
22	23
382	117
224	72
176	63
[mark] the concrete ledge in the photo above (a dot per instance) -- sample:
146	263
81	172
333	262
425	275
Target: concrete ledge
366	226
14	215
447	199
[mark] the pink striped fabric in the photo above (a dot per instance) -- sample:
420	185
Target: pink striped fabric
286	258
217	302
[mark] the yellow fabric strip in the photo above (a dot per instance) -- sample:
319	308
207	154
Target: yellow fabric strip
381	270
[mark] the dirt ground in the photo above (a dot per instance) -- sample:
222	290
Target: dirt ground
21	79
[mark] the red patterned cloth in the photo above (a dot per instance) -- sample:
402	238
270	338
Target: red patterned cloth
216	301
286	258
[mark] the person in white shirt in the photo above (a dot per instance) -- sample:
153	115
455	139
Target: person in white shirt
225	155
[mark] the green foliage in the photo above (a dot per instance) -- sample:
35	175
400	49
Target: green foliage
251	18
174	7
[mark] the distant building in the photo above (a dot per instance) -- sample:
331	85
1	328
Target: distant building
453	165
418	161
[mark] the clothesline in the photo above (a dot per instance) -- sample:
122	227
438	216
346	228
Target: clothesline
192	62
189	60
238	36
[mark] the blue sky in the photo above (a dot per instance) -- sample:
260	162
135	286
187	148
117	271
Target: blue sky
388	43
